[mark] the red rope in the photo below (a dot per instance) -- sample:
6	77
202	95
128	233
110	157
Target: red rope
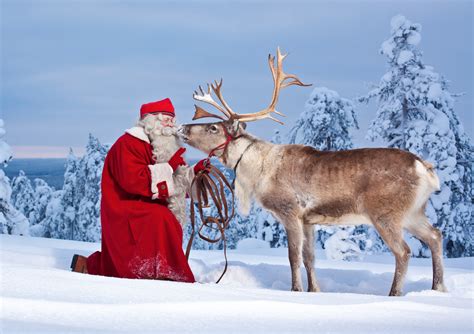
223	145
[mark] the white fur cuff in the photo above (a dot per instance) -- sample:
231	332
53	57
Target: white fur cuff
159	173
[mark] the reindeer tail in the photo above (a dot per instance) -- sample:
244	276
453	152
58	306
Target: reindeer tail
431	175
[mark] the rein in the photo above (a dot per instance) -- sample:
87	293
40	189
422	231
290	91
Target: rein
211	182
205	185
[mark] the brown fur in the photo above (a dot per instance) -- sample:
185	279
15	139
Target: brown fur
300	186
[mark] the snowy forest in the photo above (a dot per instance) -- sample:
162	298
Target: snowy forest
415	112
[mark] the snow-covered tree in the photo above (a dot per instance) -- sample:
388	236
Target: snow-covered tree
263	226
61	211
70	196
43	193
5	150
416	113
344	244
12	221
325	122
74	211
88	188
53	224
23	194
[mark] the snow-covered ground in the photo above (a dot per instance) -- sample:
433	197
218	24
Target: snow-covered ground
40	294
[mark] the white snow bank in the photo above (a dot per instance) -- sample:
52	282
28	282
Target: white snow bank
252	243
40	294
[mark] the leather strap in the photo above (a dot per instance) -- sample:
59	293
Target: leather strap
210	184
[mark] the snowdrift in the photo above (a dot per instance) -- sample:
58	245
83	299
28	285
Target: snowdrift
40	294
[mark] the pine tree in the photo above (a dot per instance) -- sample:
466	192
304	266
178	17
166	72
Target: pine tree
74	212
61	211
70	197
325	122
263	226
12	221
416	113
52	226
23	194
88	188
43	194
344	244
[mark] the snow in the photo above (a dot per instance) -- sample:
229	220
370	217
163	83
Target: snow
5	149
398	21
435	91
387	48
252	243
404	57
414	38
342	245
40	294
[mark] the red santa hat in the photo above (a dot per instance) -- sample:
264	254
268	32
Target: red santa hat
164	106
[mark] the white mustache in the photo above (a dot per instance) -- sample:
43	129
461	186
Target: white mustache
166	131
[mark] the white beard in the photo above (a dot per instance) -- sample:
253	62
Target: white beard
165	143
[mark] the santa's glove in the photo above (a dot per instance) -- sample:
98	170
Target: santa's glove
177	159
204	165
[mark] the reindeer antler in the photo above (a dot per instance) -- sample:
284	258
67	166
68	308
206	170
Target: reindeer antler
279	78
207	98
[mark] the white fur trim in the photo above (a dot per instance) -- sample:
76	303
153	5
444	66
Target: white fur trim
159	173
139	133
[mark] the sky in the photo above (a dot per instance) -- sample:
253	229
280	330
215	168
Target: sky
70	68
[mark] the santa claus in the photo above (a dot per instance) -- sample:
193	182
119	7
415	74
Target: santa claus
144	185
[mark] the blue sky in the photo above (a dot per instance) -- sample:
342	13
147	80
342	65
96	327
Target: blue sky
74	67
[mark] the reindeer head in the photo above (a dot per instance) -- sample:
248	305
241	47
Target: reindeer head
207	137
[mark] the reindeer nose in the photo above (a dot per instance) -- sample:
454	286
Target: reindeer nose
183	130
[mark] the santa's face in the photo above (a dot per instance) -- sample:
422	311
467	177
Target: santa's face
161	129
167	121
164	125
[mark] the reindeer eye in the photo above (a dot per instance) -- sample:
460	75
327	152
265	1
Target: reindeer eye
213	128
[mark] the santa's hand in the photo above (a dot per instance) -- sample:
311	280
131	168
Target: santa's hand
177	159
202	165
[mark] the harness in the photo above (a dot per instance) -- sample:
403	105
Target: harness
224	145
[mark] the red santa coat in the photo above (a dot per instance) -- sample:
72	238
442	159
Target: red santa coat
141	238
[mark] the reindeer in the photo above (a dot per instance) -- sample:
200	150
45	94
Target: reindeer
301	186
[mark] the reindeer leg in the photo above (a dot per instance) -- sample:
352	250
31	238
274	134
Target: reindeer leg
308	257
295	242
285	211
390	229
431	236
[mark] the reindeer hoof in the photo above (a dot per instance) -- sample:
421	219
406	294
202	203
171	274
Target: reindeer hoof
439	287
314	289
395	293
297	288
